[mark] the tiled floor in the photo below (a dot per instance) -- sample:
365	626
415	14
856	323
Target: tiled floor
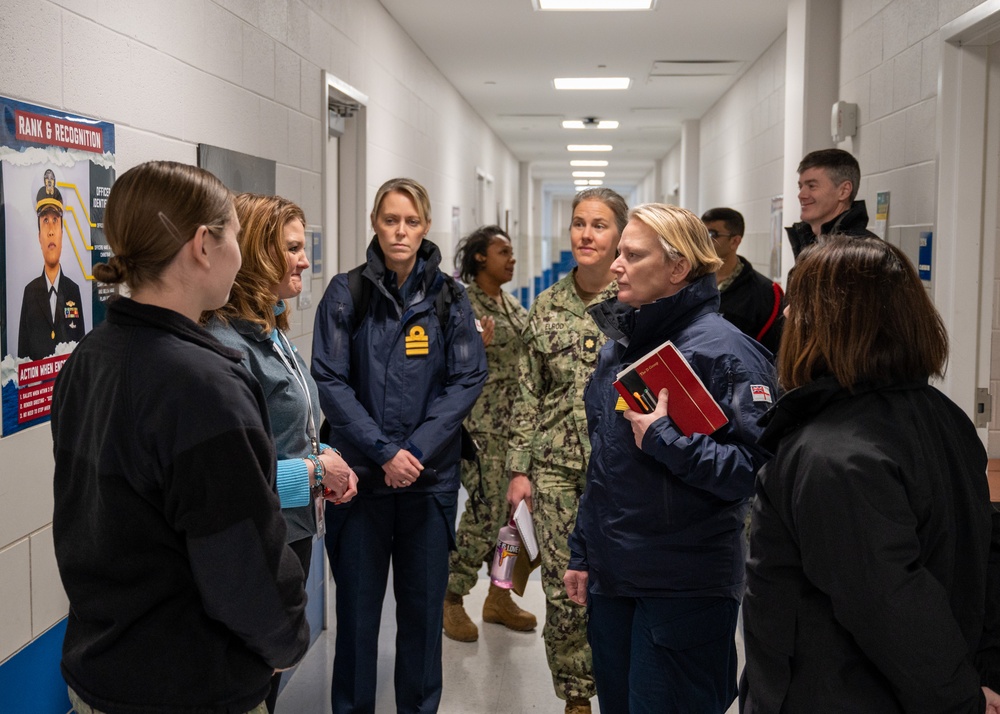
503	672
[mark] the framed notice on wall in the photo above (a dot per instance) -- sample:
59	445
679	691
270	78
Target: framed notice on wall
777	231
56	171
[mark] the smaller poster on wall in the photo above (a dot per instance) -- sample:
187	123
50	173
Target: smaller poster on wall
777	232
881	213
56	172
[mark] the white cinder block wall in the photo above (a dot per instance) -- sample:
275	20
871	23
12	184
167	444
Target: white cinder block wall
244	75
742	150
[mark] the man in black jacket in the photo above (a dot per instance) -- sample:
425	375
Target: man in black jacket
828	184
749	300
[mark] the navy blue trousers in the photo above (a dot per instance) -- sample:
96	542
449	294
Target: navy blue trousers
414	531
663	655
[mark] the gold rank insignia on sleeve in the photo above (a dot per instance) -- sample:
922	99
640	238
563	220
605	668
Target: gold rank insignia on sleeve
417	342
620	405
590	343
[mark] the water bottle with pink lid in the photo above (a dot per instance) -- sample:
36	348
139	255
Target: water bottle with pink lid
507	550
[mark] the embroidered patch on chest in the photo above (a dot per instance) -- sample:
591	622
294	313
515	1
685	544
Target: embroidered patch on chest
417	342
761	393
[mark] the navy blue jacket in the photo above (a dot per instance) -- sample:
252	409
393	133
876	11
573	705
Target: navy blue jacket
667	520
399	381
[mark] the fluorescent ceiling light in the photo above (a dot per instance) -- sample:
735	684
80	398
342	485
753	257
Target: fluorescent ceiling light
588	162
588	174
595	4
573	124
592	82
581	188
580	182
607	124
588	147
595	182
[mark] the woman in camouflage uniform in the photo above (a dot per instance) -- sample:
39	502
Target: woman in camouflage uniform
549	445
486	261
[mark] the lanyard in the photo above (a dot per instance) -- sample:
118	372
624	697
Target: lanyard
300	379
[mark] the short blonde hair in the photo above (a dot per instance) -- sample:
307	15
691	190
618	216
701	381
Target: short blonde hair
407	187
681	234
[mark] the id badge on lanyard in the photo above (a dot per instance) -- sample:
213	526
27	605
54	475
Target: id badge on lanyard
319	511
319	502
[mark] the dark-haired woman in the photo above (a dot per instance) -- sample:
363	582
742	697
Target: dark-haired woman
873	573
168	533
486	262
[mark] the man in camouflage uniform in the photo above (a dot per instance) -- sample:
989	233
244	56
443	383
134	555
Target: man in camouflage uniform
550	444
489	425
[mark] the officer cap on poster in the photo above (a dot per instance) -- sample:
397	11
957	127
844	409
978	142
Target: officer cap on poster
49	198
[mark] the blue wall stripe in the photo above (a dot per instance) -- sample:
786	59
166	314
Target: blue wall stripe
30	681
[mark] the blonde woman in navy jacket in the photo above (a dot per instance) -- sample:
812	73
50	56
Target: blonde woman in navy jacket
658	548
395	384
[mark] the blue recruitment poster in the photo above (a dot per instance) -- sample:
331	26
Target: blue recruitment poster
56	170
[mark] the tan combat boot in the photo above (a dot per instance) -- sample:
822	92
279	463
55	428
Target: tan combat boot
499	608
577	706
457	624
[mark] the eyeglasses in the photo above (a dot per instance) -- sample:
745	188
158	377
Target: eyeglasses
714	235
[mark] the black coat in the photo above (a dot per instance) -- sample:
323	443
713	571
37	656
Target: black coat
852	222
168	534
870	582
37	334
753	302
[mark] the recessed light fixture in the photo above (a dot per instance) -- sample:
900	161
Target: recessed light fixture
589	124
588	174
588	162
581	182
594	4
595	182
592	82
588	147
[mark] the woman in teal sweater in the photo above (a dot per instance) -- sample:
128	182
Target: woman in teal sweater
254	320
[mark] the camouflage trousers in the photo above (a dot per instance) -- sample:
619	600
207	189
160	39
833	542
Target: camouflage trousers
477	530
556	492
80	707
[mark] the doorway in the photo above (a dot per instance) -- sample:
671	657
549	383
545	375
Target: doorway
965	248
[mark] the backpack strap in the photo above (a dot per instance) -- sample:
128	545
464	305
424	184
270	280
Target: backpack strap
361	295
778	294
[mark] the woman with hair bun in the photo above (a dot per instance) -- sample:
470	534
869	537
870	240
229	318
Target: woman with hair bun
168	534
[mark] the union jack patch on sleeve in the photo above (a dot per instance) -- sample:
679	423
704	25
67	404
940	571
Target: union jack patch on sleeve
761	393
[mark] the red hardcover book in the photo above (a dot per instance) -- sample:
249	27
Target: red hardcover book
689	404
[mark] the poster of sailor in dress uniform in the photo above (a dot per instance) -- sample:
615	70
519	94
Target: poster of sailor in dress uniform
56	170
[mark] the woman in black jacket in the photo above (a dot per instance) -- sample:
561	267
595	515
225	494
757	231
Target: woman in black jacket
168	535
873	570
